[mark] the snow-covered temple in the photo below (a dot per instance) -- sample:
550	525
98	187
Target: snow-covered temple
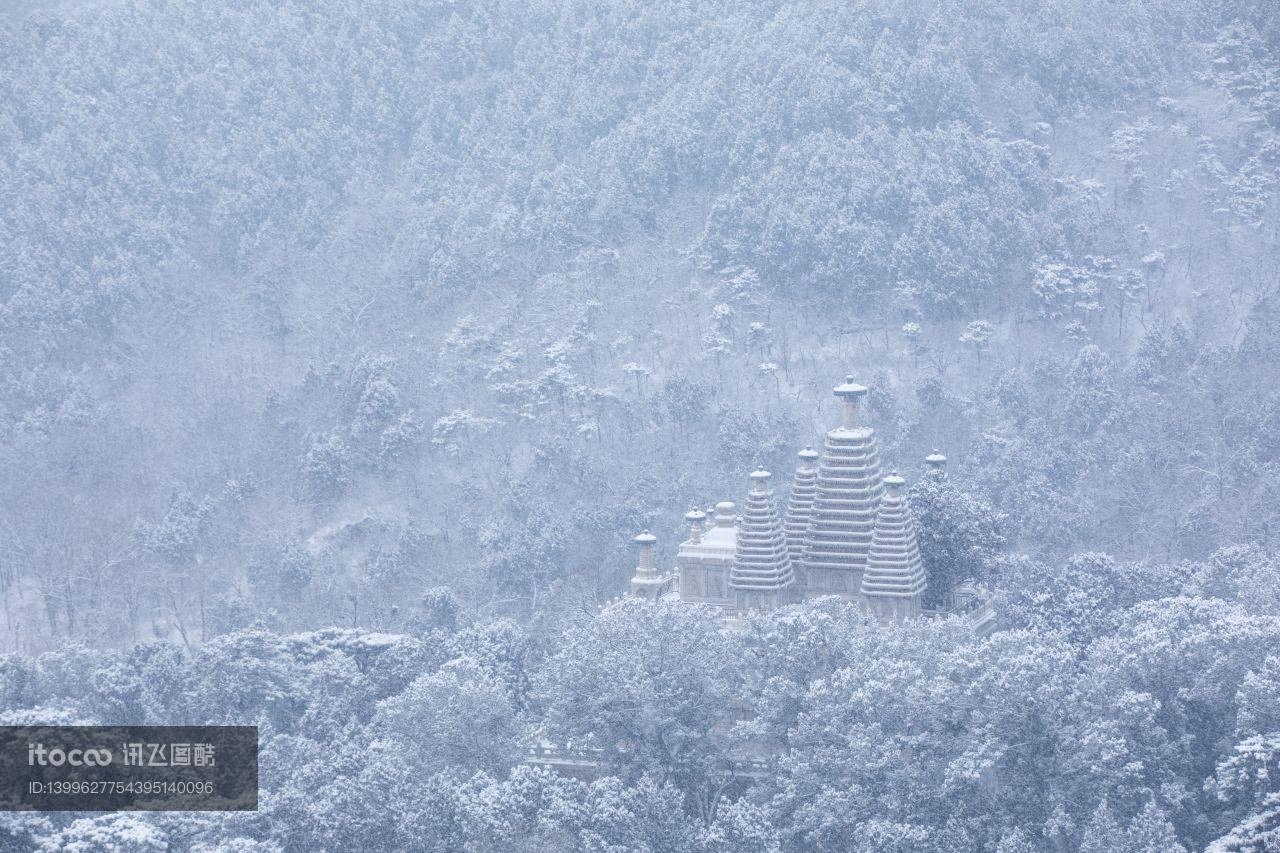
847	531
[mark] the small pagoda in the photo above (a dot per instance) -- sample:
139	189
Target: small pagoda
762	576
646	582
706	558
893	581
800	505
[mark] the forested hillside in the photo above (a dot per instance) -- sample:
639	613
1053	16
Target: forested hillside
345	346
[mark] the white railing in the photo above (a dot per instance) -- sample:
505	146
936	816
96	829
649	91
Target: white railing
971	605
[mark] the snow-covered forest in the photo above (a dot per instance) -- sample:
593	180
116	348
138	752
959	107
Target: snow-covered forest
345	346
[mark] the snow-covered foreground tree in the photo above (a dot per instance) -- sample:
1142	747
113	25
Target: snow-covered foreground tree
802	729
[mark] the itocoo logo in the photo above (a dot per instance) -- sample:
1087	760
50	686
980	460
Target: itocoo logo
37	753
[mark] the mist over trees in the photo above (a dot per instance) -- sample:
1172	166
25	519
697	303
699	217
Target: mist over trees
345	346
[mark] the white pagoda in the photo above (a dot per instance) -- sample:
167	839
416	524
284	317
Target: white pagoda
706	558
844	506
893	581
804	487
761	577
646	583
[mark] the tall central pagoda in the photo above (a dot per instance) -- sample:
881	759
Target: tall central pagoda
845	502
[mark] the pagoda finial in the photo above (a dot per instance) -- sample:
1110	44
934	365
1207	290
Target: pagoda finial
645	541
695	517
849	393
936	461
759	479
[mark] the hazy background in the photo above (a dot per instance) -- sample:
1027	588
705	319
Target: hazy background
307	304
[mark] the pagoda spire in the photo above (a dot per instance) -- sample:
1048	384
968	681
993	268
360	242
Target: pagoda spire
893	583
846	495
800	504
695	517
936	462
761	576
646	583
